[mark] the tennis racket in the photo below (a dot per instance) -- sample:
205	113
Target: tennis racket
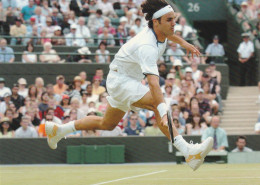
170	126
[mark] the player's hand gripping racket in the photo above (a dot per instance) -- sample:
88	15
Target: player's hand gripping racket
170	126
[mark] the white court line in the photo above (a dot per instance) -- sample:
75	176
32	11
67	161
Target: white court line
136	176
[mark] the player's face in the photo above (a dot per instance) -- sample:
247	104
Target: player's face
167	24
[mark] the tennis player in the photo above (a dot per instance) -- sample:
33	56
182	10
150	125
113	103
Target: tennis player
135	60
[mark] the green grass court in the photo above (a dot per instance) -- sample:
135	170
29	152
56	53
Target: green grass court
134	174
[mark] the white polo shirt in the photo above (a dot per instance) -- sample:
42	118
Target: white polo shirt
245	49
139	55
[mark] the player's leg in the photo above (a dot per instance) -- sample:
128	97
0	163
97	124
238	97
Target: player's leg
194	154
110	120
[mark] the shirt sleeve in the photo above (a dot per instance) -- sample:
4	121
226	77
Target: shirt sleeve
148	56
224	139
208	49
239	48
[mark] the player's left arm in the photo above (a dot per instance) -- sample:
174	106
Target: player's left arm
189	47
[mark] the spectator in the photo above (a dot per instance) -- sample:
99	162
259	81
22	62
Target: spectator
5	104
137	27
17	99
33	93
246	53
130	20
196	73
4	26
92	6
196	127
49	55
65	102
58	110
184	28
179	127
120	36
10	3
90	95
35	117
96	21
211	97
27	105
107	24
72	92
56	21
44	103
44	38
25	131
41	130
23	91
133	128
28	11
72	18
83	30
153	130
175	54
51	111
241	145
102	55
257	34
83	103
83	55
58	38
99	72
102	105
46	11
85	82
3	89
6	53
122	23
215	49
39	83
107	8
5	128
77	82
49	27
214	74
245	13
51	94
75	104
106	37
175	89
97	88
33	32
17	31
65	25
64	6
219	134
204	105
39	18
162	68
74	39
60	87
80	7
131	34
28	54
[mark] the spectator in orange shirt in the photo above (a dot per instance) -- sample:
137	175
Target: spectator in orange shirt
60	86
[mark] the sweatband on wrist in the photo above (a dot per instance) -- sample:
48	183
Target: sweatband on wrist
162	109
162	12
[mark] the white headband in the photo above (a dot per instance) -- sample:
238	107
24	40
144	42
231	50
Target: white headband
162	11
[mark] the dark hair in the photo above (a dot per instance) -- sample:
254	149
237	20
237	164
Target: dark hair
241	137
48	109
99	11
29	91
29	44
192	121
193	99
150	7
43	95
102	43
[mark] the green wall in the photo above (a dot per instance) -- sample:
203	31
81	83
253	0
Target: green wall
137	149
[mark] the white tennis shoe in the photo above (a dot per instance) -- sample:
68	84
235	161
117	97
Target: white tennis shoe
52	132
197	153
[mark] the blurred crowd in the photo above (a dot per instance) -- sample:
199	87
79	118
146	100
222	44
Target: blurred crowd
82	23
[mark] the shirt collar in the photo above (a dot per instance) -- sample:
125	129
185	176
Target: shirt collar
156	38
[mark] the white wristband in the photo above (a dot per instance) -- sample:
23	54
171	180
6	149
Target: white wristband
162	109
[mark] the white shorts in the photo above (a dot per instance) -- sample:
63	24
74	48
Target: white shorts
124	91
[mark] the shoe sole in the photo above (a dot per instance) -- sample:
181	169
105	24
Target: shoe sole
51	130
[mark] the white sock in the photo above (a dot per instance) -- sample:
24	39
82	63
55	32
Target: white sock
181	145
67	128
